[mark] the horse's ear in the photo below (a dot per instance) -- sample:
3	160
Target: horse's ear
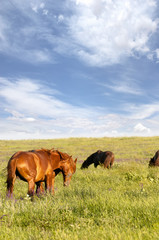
75	160
99	151
64	156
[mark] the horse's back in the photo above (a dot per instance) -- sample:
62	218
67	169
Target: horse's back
23	159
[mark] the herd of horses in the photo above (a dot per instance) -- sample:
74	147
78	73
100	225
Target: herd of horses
38	166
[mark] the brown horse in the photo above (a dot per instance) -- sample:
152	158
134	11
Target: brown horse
155	160
99	157
39	166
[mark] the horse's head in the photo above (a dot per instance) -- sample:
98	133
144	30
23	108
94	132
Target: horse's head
68	167
152	162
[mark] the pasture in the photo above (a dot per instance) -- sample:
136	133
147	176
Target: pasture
121	203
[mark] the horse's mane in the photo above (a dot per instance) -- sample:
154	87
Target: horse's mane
41	150
63	156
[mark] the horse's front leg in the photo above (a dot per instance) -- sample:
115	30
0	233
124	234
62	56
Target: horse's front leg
96	164
53	181
48	182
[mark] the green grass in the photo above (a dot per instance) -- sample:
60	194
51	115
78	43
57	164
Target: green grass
116	204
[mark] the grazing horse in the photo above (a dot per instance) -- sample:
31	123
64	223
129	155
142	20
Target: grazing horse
155	160
39	166
99	157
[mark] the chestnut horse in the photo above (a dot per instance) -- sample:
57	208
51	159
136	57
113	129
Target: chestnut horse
99	157
39	166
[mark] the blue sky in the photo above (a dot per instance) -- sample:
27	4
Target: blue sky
79	68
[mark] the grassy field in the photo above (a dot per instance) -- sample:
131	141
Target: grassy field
117	204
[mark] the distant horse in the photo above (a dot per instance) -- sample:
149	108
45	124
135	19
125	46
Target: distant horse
99	157
155	160
39	166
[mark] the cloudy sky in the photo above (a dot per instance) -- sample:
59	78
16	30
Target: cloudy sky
79	68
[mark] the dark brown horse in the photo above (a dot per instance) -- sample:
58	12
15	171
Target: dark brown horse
155	160
39	166
99	157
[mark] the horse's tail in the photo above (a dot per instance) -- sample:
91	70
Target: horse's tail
11	169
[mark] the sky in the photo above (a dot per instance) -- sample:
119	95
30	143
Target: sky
79	68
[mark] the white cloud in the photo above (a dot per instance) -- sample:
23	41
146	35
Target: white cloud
127	86
31	113
16	116
157	53
85	2
25	95
24	42
45	12
26	100
99	32
3	29
37	6
142	111
42	5
40	56
120	29
141	128
60	18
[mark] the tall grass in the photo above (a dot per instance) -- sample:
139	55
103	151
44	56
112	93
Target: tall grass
116	204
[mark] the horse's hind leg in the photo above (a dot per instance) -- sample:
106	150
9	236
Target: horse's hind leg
107	163
31	186
111	164
39	188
